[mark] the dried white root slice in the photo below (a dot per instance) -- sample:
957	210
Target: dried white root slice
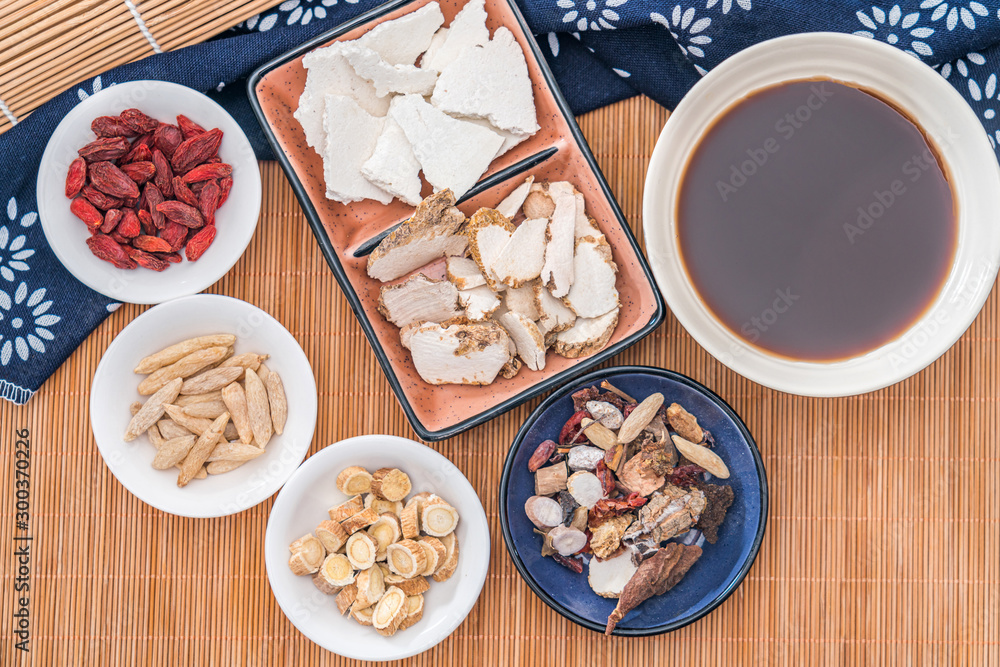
464	273
363	615
362	519
351	135
512	203
585	488
361	550
470	353
640	418
528	339
593	292
337	570
479	302
332	535
609	415
583	457
391	484
586	336
438	518
371	586
550	479
419	299
381	505
414	611
488	232
385	531
702	456
390	612
346	597
468	28
521	300
409	519
414	586
346	509
307	555
389	79
543	511
521	259
567	541
558	272
392	166
450	541
401	40
172	452
599	434
406	558
608	577
354	480
436	554
553	314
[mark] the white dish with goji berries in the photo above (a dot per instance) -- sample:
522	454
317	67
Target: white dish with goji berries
148	191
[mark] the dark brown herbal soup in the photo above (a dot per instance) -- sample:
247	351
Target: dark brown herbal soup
815	221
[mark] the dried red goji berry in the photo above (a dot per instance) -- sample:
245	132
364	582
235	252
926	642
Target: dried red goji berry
146	222
541	455
119	239
575	564
76	178
171	257
130	226
100	199
151	244
104	149
84	210
198	244
111	220
183	192
571	429
164	175
196	150
208	202
175	235
181	213
685	476
140	172
107	248
189	128
144	259
154	198
139	121
225	185
207	172
139	153
129	202
112	126
111	180
167	138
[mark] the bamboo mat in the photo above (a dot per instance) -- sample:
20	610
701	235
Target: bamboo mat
883	545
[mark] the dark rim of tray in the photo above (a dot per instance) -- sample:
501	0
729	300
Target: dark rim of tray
603	374
330	253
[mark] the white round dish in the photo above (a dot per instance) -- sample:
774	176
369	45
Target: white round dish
115	387
236	219
302	504
941	112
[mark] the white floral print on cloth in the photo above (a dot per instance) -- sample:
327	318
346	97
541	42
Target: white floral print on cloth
290	12
13	253
95	88
728	4
24	323
687	31
896	28
957	13
591	14
981	89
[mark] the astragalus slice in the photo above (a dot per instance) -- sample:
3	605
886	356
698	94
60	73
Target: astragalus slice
558	270
470	353
488	233
553	314
521	260
528	339
479	302
593	292
419	300
586	336
429	234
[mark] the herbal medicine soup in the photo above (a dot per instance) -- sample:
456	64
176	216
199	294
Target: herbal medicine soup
816	221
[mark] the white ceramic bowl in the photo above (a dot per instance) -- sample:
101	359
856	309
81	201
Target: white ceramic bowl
236	219
115	387
302	504
938	109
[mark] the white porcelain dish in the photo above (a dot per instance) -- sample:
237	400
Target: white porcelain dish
115	387
236	220
302	504
941	112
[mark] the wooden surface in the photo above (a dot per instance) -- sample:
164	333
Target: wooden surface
883	544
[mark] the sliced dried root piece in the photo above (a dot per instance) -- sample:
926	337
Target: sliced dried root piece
337	570
385	530
363	615
324	586
585	488
702	456
599	434
307	555
608	577
382	506
409	519
543	511
406	558
414	611
361	550
346	509
371	586
354	480
172	452
414	586
391	484
438	517
390	612
332	535
346	597
152	409
567	541
435	552
362	519
450	542
550	479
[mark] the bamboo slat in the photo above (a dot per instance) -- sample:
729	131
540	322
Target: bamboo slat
883	545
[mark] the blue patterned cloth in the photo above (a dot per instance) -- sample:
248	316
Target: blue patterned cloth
601	51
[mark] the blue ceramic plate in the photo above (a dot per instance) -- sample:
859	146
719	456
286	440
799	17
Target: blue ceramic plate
723	565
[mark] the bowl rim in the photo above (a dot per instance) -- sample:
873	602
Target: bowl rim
403	445
333	260
135	487
251	177
877	368
563	392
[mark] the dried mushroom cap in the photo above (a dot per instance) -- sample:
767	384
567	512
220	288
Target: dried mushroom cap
593	292
459	354
586	336
428	234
